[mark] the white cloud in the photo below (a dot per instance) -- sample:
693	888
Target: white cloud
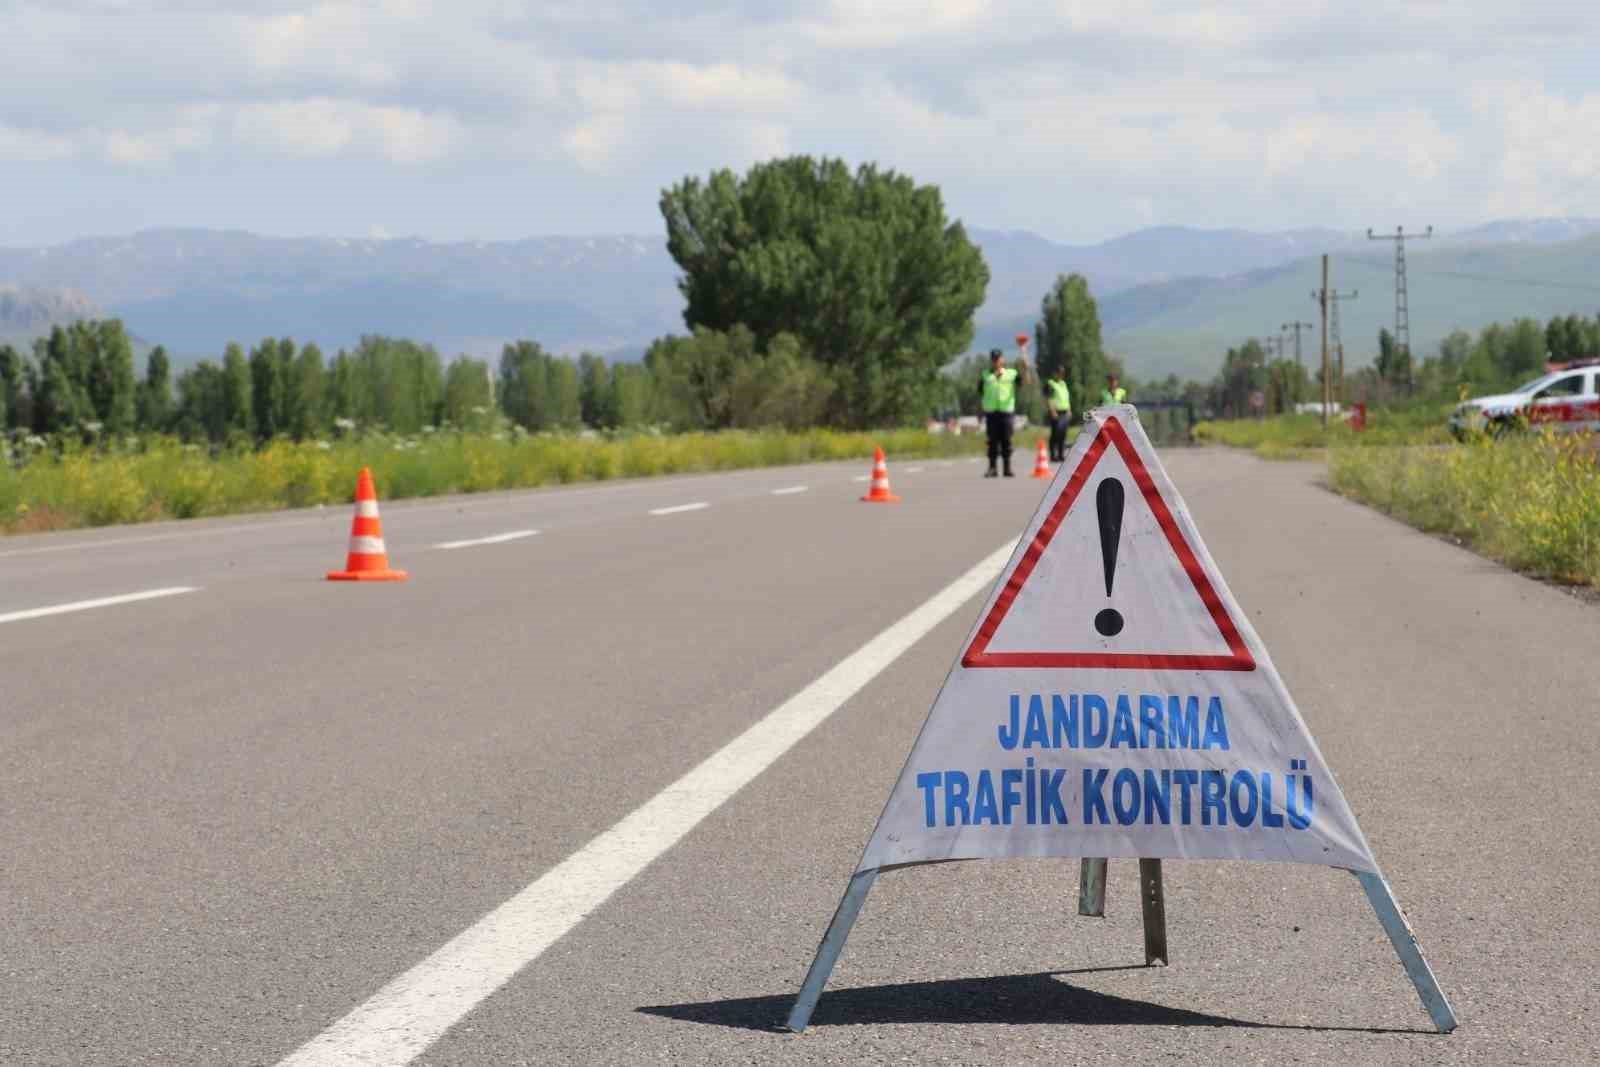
1250	112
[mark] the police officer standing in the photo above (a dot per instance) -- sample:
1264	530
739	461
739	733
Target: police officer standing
1113	393
1058	399
999	388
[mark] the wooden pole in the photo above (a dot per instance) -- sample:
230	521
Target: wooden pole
1327	377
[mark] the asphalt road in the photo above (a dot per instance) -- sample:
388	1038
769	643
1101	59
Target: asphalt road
233	815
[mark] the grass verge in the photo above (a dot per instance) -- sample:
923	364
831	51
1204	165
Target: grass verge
1531	502
1303	437
162	479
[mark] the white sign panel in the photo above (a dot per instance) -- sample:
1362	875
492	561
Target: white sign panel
1113	700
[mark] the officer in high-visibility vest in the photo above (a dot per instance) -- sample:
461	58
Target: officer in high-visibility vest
1058	399
1113	393
999	387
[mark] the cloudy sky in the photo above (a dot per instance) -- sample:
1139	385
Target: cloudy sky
1077	119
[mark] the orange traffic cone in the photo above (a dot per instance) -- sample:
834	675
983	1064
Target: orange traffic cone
368	560
879	493
1041	462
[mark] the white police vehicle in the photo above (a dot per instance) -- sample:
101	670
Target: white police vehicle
1566	400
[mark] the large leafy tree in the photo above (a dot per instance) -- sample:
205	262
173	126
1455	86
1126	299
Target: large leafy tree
13	388
862	267
1067	336
155	392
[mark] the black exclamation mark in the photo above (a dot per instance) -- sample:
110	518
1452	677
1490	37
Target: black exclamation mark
1108	502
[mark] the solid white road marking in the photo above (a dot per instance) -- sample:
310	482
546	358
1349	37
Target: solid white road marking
102	602
406	1016
913	470
497	539
790	490
676	509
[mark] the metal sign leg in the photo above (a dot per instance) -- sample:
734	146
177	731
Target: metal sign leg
1405	946
1155	912
844	917
1092	888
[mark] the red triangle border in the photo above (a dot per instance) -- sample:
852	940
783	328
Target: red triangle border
1239	657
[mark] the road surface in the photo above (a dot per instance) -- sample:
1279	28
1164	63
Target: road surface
254	817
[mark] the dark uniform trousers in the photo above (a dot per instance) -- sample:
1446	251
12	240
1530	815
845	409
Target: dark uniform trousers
1058	437
998	426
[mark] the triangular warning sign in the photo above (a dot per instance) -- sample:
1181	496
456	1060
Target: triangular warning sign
1127	536
1114	701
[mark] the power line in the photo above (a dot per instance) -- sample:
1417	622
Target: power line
1402	310
1509	279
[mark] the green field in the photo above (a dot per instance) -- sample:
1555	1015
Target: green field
160	478
1531	502
1303	436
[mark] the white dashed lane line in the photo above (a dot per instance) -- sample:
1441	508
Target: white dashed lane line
102	602
496	539
790	490
698	505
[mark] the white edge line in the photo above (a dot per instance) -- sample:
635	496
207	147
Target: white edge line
102	602
497	539
403	1018
698	505
790	490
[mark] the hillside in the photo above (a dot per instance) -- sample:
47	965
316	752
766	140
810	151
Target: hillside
1457	285
27	312
1169	295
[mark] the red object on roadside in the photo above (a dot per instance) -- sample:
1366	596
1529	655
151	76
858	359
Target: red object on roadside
1358	416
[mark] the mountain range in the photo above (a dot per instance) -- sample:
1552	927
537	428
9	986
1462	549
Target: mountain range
1171	298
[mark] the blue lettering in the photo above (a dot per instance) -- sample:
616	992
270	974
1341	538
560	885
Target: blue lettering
1152	734
1064	720
1053	780
1093	798
1300	814
1095	720
1127	811
1010	793
1216	726
1269	818
1158	795
984	808
956	785
1036	735
1243	814
1213	809
1009	743
1186	780
1183	722
928	783
1122	731
1033	793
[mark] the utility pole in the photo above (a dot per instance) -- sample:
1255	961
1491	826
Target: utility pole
1335	299
1329	299
1402	310
1297	327
1327	381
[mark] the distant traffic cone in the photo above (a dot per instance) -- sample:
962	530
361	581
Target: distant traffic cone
1041	462
368	560
879	492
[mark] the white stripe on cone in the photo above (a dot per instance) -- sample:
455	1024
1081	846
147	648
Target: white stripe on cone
367	546
366	509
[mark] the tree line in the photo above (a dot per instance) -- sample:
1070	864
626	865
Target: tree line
1498	357
814	295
